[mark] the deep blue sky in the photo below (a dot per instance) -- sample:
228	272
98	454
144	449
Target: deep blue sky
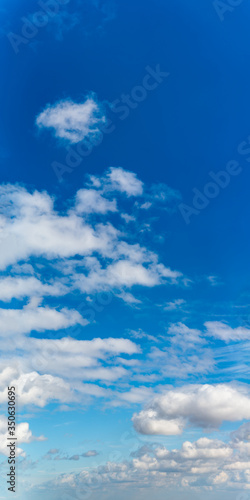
191	124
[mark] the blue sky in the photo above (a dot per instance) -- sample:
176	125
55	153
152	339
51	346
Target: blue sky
124	297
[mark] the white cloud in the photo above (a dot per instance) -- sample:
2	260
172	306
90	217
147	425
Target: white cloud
23	434
221	478
180	354
33	317
204	406
136	395
176	304
146	205
204	448
88	256
224	332
39	390
73	121
128	298
149	422
92	201
243	433
124	181
194	469
119	180
180	362
30	227
140	334
128	218
19	287
185	337
54	369
124	273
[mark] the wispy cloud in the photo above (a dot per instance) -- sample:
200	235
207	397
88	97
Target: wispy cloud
173	306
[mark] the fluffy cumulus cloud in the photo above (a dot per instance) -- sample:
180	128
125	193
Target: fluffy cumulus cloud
63	370
196	467
33	317
32	228
23	434
118	179
19	287
123	181
71	121
47	254
205	406
48	258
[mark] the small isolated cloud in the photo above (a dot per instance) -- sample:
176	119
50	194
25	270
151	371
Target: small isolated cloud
213	280
124	181
73	121
146	205
160	196
163	193
128	218
90	453
56	454
140	334
128	298
120	180
176	304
